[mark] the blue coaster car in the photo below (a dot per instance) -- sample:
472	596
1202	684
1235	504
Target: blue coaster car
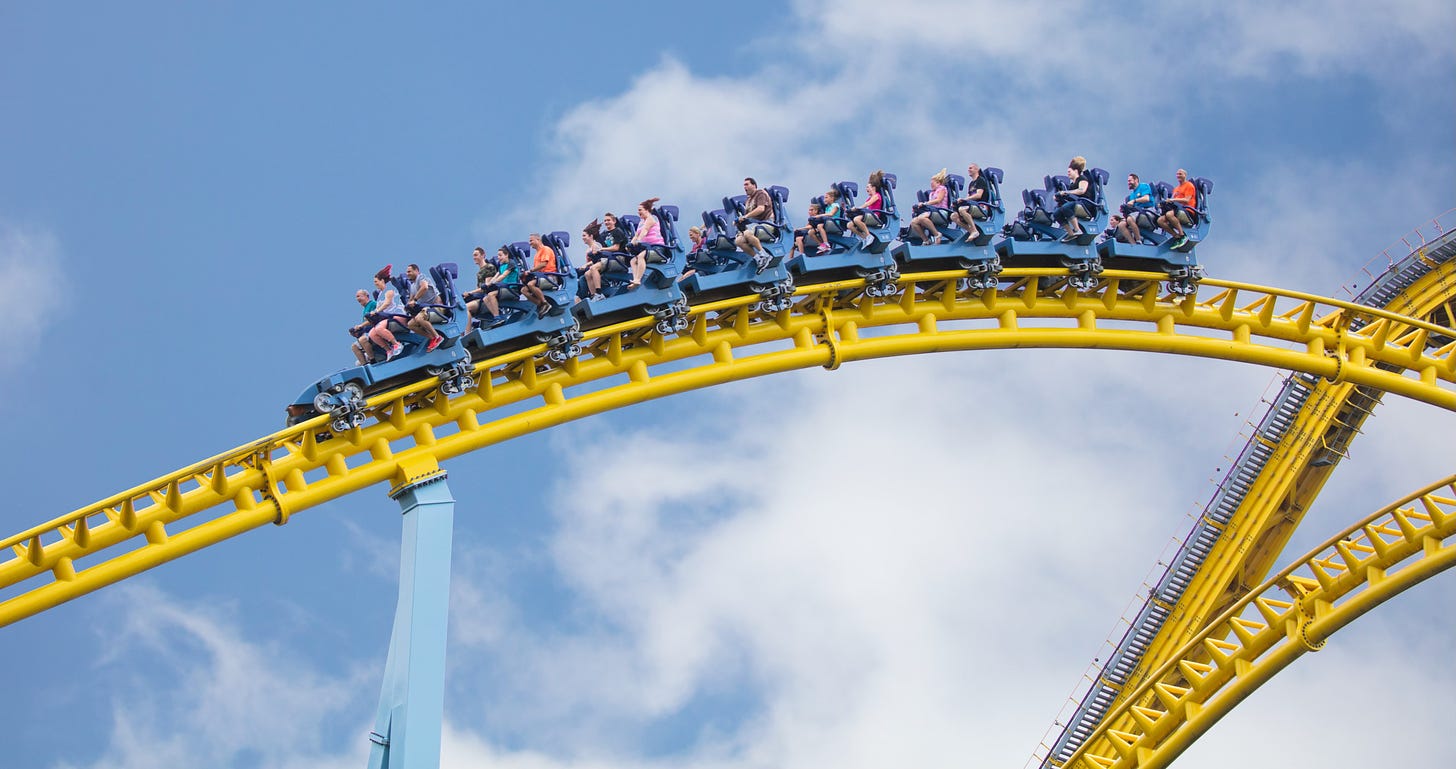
848	255
1035	239
342	393
518	319
658	295
720	270
977	257
1152	252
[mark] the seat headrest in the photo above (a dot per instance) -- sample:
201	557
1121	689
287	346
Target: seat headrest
994	175
734	203
448	269
781	194
1100	175
558	240
955	182
667	212
1203	184
1163	189
818	199
847	189
891	180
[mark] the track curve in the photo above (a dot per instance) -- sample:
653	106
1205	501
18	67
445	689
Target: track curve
1291	613
268	480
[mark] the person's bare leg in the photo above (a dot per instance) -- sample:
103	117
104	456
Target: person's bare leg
639	268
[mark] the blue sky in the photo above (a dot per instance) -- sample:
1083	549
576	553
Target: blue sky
907	562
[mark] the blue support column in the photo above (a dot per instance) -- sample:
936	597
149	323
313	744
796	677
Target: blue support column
412	703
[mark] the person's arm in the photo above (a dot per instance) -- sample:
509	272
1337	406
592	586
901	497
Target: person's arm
1081	189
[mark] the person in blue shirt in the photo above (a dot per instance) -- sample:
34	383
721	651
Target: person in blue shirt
1139	201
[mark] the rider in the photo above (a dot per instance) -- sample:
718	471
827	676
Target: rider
1075	201
975	205
542	277
1184	198
757	211
421	293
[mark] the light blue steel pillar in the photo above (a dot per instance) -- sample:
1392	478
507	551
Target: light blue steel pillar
412	703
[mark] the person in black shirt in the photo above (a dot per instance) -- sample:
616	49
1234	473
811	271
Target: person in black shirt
975	205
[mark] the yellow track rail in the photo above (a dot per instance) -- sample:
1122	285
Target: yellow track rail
1293	612
1298	460
270	479
1287	487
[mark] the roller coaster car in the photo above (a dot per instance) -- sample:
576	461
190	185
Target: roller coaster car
658	296
1152	252
1034	239
518	318
848	255
978	257
721	270
342	394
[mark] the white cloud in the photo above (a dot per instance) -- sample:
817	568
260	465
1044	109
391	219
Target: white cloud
30	272
216	697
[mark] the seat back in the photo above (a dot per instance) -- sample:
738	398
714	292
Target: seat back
558	241
847	193
1097	179
735	205
954	183
629	223
779	196
444	275
1204	187
887	195
667	218
993	178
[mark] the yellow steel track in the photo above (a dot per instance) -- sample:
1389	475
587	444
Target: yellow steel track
1287	487
1295	462
1291	613
270	479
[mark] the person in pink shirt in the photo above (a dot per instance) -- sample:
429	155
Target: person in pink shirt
646	241
872	213
923	225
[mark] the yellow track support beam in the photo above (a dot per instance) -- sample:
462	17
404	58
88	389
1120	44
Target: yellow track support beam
1285	488
1291	613
292	470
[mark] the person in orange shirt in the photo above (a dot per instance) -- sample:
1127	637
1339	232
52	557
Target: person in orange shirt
1184	198
542	277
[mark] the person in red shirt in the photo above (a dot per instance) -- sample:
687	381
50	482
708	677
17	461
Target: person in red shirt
542	276
1184	198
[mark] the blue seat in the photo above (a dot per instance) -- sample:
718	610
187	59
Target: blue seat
850	257
721	270
978	258
1035	238
1152	252
342	393
518	319
659	294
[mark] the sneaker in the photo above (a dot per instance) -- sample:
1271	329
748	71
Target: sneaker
433	343
597	297
1071	237
393	351
760	263
1179	243
543	310
823	248
867	242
